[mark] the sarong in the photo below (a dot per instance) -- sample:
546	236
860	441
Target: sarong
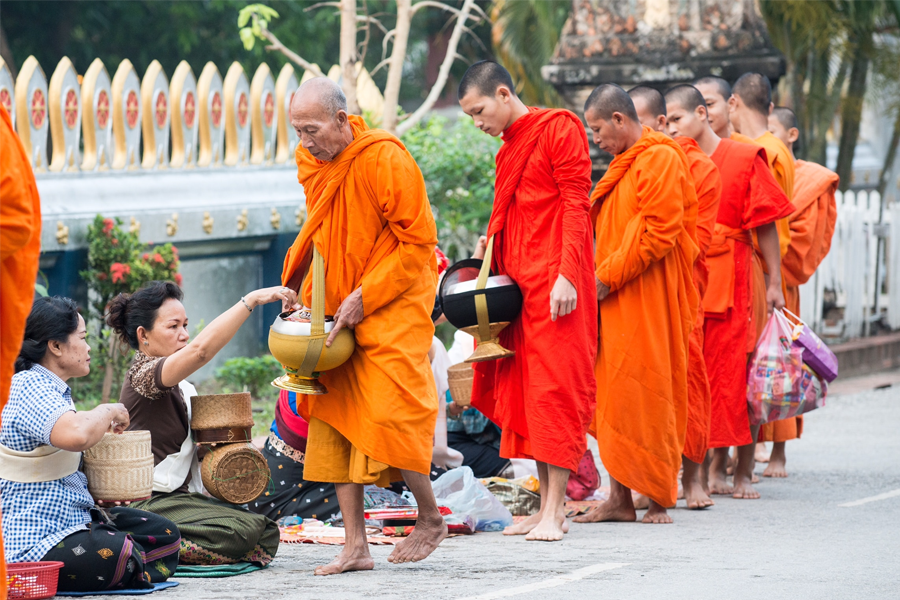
215	532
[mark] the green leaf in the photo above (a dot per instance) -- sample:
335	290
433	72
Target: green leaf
245	14
41	290
248	38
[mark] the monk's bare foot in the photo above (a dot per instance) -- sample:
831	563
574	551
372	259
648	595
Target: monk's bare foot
695	496
656	514
729	465
762	453
425	537
530	523
549	530
609	511
755	478
777	462
743	489
718	475
641	502
719	484
348	560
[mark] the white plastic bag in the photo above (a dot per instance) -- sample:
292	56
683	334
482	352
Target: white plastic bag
462	493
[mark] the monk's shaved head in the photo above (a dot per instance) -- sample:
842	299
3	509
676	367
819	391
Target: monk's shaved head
755	92
786	117
685	96
783	124
319	116
607	99
654	99
484	77
722	87
324	92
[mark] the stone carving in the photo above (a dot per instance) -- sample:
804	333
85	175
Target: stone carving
183	94
96	117
211	104
285	87
237	116
126	96
172	225
208	222
31	112
65	116
275	219
62	233
155	101
264	117
7	91
243	220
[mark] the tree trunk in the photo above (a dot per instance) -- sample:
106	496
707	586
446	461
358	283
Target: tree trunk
110	368
395	71
851	111
889	160
348	55
6	53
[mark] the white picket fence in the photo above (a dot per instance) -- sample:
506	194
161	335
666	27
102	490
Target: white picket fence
849	269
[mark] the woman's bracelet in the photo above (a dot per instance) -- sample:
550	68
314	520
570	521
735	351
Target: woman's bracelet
245	304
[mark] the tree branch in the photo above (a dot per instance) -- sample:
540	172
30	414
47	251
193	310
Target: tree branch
321	5
379	66
275	44
395	72
444	71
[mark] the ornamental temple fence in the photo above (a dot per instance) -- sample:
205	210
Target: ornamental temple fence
207	163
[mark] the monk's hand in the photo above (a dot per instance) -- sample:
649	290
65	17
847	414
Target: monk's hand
602	290
563	298
480	248
774	298
348	314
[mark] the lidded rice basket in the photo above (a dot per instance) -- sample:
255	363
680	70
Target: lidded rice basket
222	418
235	473
119	468
460	378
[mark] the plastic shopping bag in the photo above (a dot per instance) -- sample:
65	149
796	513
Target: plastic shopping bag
461	492
779	384
816	354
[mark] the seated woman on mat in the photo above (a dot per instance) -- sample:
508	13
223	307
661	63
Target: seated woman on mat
154	323
51	516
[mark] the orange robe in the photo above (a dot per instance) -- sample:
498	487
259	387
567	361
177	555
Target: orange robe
812	227
369	217
543	401
708	186
645	211
750	198
20	248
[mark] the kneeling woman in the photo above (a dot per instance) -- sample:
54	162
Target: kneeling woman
154	323
48	512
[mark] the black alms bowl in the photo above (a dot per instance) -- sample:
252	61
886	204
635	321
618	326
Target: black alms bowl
457	295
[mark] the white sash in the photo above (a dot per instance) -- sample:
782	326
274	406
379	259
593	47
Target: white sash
44	463
170	473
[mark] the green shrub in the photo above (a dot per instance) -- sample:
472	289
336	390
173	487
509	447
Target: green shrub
246	374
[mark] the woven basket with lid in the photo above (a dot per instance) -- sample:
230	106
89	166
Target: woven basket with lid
119	468
221	411
460	378
235	473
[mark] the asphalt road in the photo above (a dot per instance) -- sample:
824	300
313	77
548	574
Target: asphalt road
798	541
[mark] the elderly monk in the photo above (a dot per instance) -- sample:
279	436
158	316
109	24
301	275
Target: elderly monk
369	217
812	227
751	201
651	110
20	248
542	401
645	212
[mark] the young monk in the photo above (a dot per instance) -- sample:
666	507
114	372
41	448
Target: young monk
716	92
645	211
751	200
542	401
651	110
812	227
370	219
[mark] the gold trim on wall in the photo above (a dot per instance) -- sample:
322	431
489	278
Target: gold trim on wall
58	106
29	69
89	126
285	87
123	155
233	87
180	80
150	110
211	151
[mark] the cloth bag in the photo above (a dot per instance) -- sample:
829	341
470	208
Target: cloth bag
585	481
461	492
816	354
779	384
519	501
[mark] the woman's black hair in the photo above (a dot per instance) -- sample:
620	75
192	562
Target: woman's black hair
51	319
127	312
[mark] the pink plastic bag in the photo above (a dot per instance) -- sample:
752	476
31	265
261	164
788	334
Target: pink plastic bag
816	354
780	385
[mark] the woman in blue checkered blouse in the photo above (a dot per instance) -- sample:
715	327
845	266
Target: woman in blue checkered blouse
48	512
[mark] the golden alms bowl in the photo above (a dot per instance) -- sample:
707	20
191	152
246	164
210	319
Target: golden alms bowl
304	355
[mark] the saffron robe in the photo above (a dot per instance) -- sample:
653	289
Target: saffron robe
812	227
645	212
750	198
543	397
369	217
20	248
708	186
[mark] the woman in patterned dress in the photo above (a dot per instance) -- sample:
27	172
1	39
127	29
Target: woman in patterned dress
52	516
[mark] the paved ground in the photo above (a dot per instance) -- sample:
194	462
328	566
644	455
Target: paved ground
798	541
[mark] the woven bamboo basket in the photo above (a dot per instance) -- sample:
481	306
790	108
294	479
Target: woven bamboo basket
120	467
235	473
460	378
221	411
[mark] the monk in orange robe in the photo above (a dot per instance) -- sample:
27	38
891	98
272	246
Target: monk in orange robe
651	110
20	248
751	200
812	227
542	400
645	213
369	217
